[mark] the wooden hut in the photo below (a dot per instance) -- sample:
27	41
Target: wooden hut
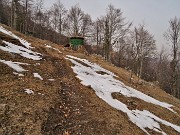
76	42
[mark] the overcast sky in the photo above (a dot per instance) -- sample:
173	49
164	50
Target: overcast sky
154	13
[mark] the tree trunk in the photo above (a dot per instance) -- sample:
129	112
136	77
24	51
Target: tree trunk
25	20
15	18
12	13
60	24
141	67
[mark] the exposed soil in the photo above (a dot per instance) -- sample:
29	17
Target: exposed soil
102	72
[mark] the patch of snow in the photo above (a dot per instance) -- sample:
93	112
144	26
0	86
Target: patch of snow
37	64
24	42
28	91
51	79
14	65
107	80
24	52
96	67
40	94
21	63
145	119
37	76
105	85
20	75
48	46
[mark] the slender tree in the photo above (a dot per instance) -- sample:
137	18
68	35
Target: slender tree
163	71
113	29
61	12
173	36
77	22
74	20
38	14
143	46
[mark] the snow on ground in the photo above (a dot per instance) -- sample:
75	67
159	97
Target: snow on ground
37	64
51	79
40	94
97	67
24	52
105	84
19	74
28	91
15	65
48	46
37	76
113	85
24	42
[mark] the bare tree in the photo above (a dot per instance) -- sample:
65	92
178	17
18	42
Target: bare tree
37	18
61	12
27	8
97	35
5	12
98	31
86	25
1	12
143	46
74	20
173	36
163	71
113	29
14	13
121	45
77	22
58	13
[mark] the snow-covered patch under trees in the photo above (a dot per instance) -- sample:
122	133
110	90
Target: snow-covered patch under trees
104	84
24	52
24	42
15	65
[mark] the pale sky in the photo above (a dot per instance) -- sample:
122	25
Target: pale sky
154	13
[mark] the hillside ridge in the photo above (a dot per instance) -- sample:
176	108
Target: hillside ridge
48	89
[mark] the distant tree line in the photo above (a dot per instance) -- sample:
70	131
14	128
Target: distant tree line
110	36
29	17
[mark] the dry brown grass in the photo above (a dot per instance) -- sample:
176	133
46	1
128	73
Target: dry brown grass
67	107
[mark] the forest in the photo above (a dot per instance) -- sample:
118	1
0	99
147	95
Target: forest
110	36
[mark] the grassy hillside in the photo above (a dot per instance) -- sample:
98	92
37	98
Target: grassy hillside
46	97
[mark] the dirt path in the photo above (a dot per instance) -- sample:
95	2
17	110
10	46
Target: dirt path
78	110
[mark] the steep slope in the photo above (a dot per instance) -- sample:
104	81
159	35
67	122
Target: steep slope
40	93
104	84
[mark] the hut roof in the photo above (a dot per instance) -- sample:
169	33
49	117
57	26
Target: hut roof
76	38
